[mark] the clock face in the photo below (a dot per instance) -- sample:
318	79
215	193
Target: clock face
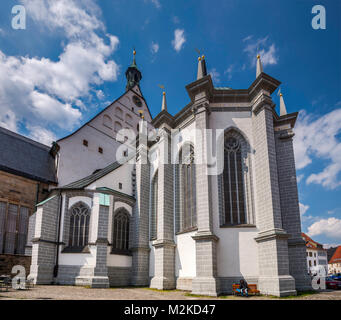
137	101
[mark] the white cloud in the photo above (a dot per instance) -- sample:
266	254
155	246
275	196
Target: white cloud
330	228
179	39
267	51
215	75
247	38
229	71
35	90
154	47
303	208
330	245
300	177
318	137
156	3
42	135
100	94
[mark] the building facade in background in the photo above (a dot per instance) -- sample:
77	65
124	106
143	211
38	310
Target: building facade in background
165	224
317	260
334	264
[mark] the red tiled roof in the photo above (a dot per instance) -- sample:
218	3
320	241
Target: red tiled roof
310	243
336	258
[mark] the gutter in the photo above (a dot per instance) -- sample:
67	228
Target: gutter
55	269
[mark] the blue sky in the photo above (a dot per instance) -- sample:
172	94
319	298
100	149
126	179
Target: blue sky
69	63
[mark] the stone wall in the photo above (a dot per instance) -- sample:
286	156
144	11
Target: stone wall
8	261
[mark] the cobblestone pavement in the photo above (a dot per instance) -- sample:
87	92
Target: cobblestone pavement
83	293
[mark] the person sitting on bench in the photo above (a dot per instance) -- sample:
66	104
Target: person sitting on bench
243	287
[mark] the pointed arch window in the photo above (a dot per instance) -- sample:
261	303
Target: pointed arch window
187	189
120	241
154	201
235	177
79	225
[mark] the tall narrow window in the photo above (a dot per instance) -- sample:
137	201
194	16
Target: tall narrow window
120	243
3	206
187	183
235	212
79	225
22	230
153	223
11	228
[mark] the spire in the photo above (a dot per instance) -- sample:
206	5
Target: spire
202	72
259	66
164	102
133	74
282	108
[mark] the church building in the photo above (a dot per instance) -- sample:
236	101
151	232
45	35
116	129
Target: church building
134	206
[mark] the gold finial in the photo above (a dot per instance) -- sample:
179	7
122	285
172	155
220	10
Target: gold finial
134	52
258	56
142	116
280	94
199	59
203	57
164	93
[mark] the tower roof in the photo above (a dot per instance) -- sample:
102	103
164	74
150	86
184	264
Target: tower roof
133	74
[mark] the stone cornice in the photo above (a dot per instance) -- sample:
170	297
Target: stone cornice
205	235
163	118
271	234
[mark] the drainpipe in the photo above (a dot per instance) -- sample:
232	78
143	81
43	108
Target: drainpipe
55	270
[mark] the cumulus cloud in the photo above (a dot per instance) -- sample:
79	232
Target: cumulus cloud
154	47
267	51
215	75
303	208
319	138
179	39
330	228
35	90
42	135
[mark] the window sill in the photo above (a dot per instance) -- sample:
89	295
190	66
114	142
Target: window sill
121	252
187	230
238	226
84	249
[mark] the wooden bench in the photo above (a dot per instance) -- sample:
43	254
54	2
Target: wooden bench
252	289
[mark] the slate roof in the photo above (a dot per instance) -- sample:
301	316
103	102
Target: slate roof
336	258
84	182
25	157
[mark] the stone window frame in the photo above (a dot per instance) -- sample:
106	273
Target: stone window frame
121	251
246	152
66	221
154	206
179	209
84	248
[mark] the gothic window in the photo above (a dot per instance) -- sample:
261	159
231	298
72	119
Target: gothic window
120	242
187	189
79	225
154	192
129	119
234	197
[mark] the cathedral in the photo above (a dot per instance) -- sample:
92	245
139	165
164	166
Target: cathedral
132	205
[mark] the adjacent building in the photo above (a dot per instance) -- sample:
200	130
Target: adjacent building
27	170
334	264
317	260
